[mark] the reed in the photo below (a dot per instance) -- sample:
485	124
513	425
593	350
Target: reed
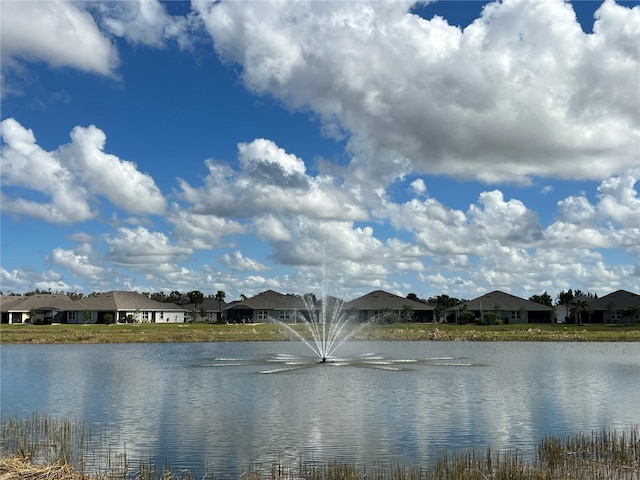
42	448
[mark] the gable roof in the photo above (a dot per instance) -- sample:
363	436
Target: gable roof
381	300
620	299
271	300
505	301
117	300
209	304
37	302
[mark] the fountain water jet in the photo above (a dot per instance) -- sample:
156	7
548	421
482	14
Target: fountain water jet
325	325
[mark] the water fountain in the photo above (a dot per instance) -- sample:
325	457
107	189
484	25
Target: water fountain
326	326
325	322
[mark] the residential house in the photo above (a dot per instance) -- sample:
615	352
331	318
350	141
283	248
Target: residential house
616	307
268	305
506	308
388	306
37	308
210	310
123	307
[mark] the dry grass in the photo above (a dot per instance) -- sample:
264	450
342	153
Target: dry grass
17	468
604	455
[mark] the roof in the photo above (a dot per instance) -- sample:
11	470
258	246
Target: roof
209	304
505	301
618	300
381	300
116	301
38	301
271	300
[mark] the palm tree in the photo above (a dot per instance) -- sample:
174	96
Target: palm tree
219	297
196	297
581	305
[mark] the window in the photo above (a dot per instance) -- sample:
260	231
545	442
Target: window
285	314
72	317
263	315
145	316
515	315
616	315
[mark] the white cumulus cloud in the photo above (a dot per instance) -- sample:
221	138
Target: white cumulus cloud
57	32
238	262
520	92
70	176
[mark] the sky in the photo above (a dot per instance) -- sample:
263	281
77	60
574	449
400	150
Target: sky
445	148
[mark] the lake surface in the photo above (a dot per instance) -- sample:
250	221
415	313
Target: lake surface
213	405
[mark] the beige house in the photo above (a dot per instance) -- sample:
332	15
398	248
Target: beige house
389	307
38	308
505	307
210	310
124	307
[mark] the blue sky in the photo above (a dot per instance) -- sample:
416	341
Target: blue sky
450	147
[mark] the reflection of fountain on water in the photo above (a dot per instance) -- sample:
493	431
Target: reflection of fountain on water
286	362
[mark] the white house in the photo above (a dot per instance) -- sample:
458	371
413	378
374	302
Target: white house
123	307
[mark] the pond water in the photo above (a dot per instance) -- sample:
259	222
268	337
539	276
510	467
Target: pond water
212	406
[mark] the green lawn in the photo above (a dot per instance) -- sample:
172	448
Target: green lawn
202	332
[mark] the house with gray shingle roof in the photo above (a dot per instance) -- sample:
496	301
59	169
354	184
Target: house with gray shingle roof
210	310
507	308
615	308
268	305
47	308
392	307
124	307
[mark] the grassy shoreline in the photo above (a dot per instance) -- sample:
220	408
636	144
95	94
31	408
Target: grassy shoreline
42	448
202	332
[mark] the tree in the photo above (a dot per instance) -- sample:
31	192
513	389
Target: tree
414	297
490	318
565	299
630	312
544	299
174	297
466	316
219	297
407	313
196	297
581	305
442	304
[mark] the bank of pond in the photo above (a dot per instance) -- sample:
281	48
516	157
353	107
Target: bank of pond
44	448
